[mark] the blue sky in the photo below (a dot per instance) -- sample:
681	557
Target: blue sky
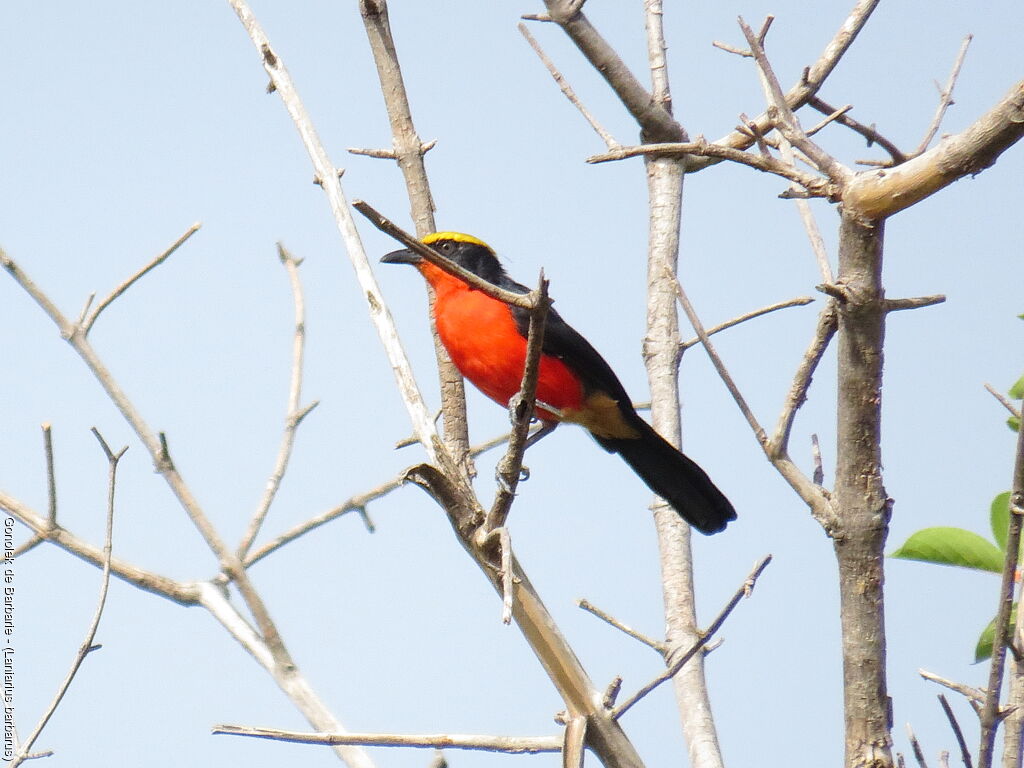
127	123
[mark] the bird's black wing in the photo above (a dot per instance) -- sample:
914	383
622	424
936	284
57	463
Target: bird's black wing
563	341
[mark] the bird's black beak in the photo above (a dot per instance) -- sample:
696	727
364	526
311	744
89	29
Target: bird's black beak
404	256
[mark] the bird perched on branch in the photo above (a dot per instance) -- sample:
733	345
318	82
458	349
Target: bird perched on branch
486	339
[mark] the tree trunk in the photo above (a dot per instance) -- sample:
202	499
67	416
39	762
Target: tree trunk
862	504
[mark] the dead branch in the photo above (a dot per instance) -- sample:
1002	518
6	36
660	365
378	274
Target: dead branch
873	195
88	321
745	590
87	645
507	744
294	414
990	715
567	90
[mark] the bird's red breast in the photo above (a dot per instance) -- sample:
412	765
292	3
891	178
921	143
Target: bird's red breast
486	346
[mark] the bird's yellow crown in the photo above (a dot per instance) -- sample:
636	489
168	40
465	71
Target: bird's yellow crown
456	237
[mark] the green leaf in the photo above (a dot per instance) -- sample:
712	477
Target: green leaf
983	650
1013	423
952	546
1017	390
1001	518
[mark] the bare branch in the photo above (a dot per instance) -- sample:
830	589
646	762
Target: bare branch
181	593
783	117
409	153
965	753
506	744
156	448
566	89
325	170
573	741
521	410
87	645
878	194
810	83
797	302
945	98
816	186
797	396
975	696
86	324
655	121
990	715
895	305
916	746
589	607
51	478
294	415
1004	400
745	590
809	492
869	132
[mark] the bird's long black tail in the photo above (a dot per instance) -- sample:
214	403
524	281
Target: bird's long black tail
674	477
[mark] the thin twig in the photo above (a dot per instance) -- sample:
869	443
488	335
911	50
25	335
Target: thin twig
810	82
326	171
990	715
1004	400
827	324
914	302
589	607
797	302
945	98
356	503
812	494
566	89
916	747
295	414
521	409
784	118
745	590
505	744
723	372
179	592
87	645
965	753
807	218
87	323
815	185
51	478
974	695
869	132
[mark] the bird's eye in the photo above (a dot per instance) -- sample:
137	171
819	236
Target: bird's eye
446	246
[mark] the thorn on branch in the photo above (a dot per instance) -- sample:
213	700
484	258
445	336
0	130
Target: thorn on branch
612	693
732	49
379	154
894	305
164	462
834	290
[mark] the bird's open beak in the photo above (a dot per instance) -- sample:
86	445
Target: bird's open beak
404	256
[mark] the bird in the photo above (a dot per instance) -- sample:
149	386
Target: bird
486	340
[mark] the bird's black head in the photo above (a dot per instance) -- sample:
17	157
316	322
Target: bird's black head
467	251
